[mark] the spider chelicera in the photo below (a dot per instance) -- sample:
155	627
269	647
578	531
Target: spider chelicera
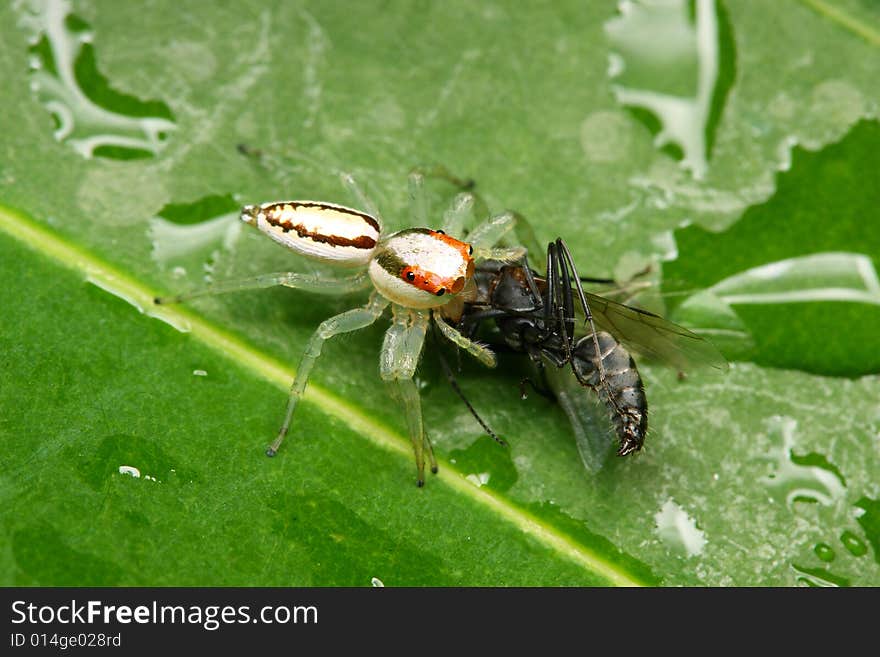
418	272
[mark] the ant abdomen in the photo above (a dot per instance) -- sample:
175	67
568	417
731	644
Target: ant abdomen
623	392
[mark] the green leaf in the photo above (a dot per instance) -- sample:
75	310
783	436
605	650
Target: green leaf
794	72
806	258
747	478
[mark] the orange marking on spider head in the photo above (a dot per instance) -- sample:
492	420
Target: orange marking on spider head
441	270
455	285
426	280
463	248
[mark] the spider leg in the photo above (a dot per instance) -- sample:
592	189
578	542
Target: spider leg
418	200
363	200
525	235
441	172
397	365
457	218
346	322
508	228
320	283
491	231
475	349
459	215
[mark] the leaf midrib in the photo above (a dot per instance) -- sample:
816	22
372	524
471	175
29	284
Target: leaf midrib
111	279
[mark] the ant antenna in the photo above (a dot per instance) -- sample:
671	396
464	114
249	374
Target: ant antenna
458	391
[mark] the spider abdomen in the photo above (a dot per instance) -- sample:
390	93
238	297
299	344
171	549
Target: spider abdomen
322	231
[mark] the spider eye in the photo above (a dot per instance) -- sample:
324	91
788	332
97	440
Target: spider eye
441	232
410	276
441	292
470	249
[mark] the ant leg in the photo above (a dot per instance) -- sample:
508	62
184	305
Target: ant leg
364	201
308	282
541	389
598	360
567	297
397	365
346	322
565	257
475	349
555	301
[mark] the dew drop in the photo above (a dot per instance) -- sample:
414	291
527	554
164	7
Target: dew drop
853	544
479	479
130	470
824	551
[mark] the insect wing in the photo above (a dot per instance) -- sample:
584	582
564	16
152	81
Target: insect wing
653	336
590	423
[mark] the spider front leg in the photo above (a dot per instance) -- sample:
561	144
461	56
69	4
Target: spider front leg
398	361
362	198
500	229
351	320
479	351
456	217
320	283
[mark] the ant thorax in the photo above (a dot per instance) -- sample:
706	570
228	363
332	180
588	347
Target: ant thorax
421	268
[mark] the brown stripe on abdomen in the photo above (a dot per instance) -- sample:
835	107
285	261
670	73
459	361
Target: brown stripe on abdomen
326	206
360	242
